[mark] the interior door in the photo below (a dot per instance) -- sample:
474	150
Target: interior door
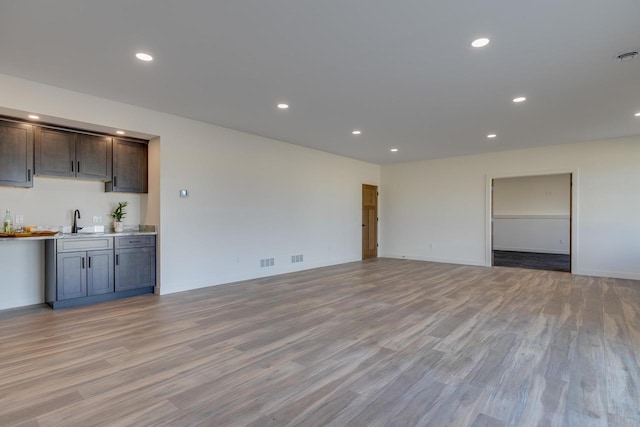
369	221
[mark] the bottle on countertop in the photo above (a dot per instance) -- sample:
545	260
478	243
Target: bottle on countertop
7	224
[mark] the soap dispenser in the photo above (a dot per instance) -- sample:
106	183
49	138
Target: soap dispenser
7	224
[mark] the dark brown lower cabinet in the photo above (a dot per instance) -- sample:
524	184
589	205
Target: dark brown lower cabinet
80	271
135	262
81	274
135	268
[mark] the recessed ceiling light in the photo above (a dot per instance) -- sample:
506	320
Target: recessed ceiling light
637	114
491	135
394	150
482	42
357	132
33	116
519	99
120	132
627	56
283	106
144	56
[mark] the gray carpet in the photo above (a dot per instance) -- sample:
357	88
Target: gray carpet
533	260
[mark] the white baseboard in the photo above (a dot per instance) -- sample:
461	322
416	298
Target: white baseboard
477	263
611	274
251	275
21	302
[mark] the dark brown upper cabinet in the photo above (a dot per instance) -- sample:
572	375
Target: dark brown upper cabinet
16	154
129	167
93	154
72	155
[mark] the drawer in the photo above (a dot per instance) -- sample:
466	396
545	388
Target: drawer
74	245
135	241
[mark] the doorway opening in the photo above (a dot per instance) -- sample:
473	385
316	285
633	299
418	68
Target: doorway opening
369	221
531	222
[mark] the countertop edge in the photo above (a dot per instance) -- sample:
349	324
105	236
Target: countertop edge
80	236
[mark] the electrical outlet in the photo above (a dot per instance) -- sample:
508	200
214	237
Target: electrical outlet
97	219
19	219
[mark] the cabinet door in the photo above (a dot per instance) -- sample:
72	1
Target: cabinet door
55	153
135	268
99	272
71	275
129	167
93	157
16	154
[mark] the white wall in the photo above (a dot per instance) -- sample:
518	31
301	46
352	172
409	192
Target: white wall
537	233
531	213
532	195
251	197
437	210
51	202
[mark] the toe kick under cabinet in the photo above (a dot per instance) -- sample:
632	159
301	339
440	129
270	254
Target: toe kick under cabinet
83	271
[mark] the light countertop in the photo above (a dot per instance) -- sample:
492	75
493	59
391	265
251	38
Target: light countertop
143	230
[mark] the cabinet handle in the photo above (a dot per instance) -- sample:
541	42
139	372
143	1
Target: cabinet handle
78	167
72	166
29	175
89	262
117	259
83	263
115	181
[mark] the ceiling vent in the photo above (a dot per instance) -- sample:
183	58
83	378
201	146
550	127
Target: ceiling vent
627	56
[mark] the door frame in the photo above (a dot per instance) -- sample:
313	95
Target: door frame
377	187
573	218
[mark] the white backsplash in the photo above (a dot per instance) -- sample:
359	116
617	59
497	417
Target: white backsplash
51	202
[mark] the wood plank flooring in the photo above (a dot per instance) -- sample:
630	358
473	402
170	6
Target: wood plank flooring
377	343
534	260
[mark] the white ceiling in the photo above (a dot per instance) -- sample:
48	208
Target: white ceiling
402	71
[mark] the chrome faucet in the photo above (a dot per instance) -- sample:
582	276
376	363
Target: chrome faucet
76	216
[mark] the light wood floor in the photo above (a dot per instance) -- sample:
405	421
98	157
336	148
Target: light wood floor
386	342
